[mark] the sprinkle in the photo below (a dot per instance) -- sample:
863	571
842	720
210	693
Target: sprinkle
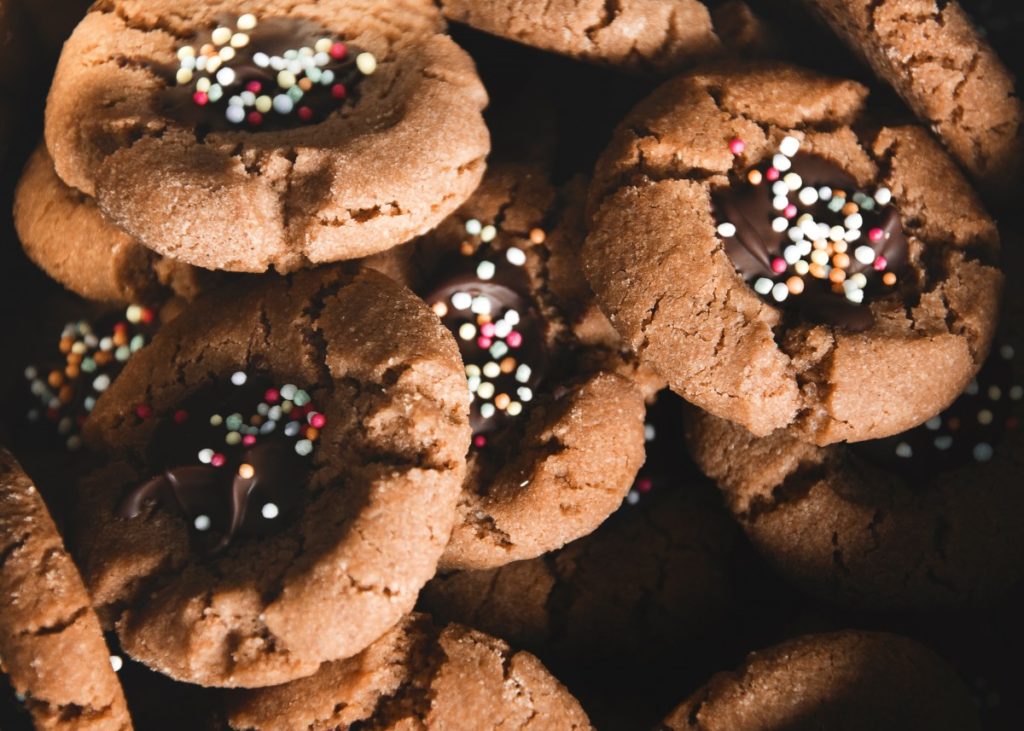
239	378
303	447
270	511
763	285
515	256
789	146
904	450
202	522
221	35
780	292
246	22
883	196
485	270
366	63
488	233
726	230
737	146
983	452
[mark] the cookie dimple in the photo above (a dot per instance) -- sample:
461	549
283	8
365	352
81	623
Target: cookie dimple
248	201
367	525
418	674
51	643
662	271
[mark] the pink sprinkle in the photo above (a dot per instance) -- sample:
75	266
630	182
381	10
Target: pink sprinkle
514	339
644	484
317	421
338	91
180	416
772	173
487	329
876	234
789	211
217	460
483	343
338	51
880	263
254	86
272	395
249	440
779	265
201	98
479	440
737	146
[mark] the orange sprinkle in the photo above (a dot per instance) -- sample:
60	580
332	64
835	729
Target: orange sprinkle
850	209
837	276
754	176
71	371
838	193
508	365
889	278
312	433
502	400
66	394
120	338
305	84
841	261
65	345
817	271
537	236
795	285
840	247
820	244
56	379
102	357
466	249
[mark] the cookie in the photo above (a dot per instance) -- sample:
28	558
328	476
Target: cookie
930	518
51	646
65	234
418	676
282	467
777	302
843	681
639	35
270	136
557	420
930	52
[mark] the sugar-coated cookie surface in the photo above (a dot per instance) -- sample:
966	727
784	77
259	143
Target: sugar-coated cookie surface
769	306
51	646
418	676
282	466
195	133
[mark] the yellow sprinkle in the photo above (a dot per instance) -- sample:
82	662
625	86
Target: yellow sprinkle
221	35
183	76
366	63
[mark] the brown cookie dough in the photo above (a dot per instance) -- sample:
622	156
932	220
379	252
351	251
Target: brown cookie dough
844	681
664	273
641	35
374	165
51	646
234	548
418	677
557	418
930	52
933	517
65	234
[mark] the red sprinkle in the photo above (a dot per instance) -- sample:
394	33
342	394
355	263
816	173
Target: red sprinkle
254	86
120	328
779	265
479	441
876	234
272	396
201	98
880	263
737	146
514	339
255	119
644	484
218	460
249	440
772	173
338	51
305	114
483	343
338	91
143	411
789	211
180	416
147	315
317	421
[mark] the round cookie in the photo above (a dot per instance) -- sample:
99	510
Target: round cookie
941	65
213	148
932	517
640	35
557	419
65	234
844	681
418	676
51	646
755	293
283	462
657	576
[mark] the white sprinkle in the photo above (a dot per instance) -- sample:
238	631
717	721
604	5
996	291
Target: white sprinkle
525	394
859	279
780	292
943	442
801	267
491	369
246	22
793	181
983	452
903	450
632	497
883	196
467	331
485	391
1016	393
995	393
481	305
781	163
226	76
779	202
474	227
101	383
795	235
277	63
855	295
808	196
291	429
523	373
462	300
205	456
487	410
304	447
487	233
203	85
202	522
31	373
261	59
221	35
791	254
512	317
472	370
239	378
183	76
852	235
763	285
854	220
649	431
789	146
235	113
366	63
779	187
270	511
215	93
502	328
515	256
864	254
972	388
779	224
283	104
934	423
825	193
726	230
116	663
321	59
186	52
498	350
239	40
485	270
1006	352
985	417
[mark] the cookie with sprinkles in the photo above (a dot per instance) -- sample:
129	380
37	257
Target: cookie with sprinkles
65	234
786	260
250	136
285	457
557	418
929	518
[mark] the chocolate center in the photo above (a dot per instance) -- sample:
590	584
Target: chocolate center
272	74
483	298
802	235
236	459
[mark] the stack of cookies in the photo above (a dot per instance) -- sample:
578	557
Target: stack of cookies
420	364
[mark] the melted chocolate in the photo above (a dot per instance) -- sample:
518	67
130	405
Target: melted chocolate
500	333
965	433
252	77
225	489
756	246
